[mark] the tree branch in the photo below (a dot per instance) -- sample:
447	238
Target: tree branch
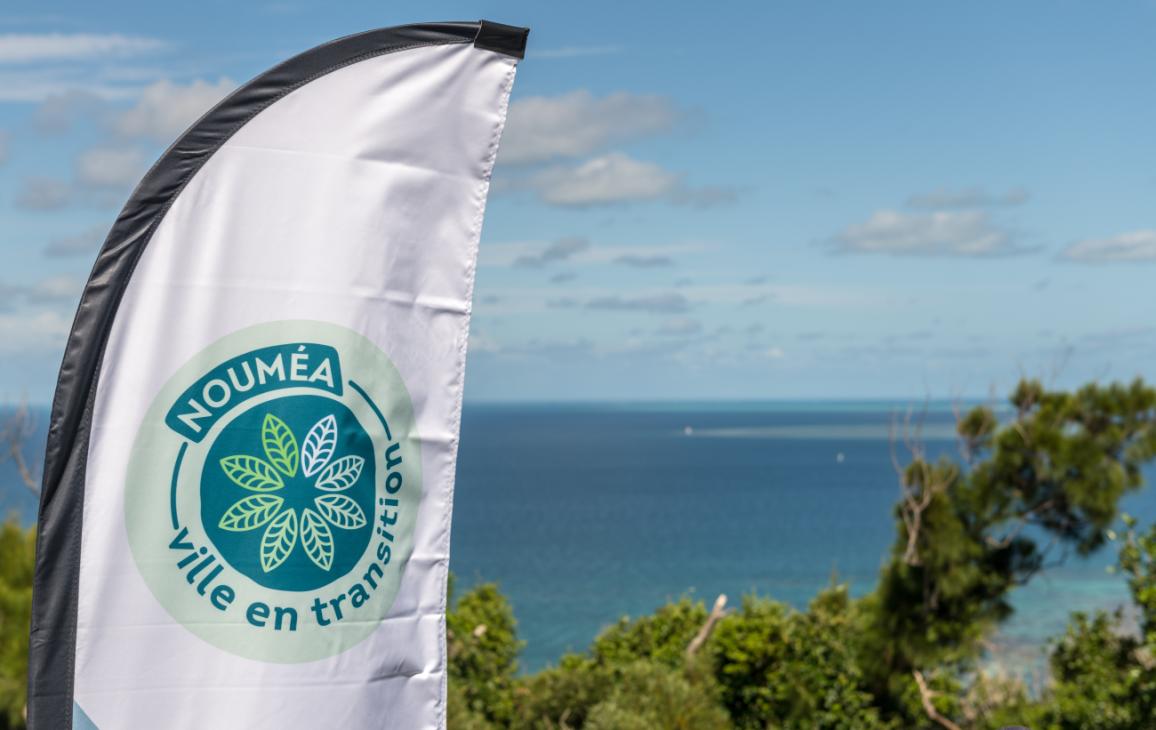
716	614
16	430
925	697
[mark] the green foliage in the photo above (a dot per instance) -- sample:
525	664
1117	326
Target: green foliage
1138	561
566	695
662	637
483	655
650	695
968	533
17	550
785	669
563	696
1101	681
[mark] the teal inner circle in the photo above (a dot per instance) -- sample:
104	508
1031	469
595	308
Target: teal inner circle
251	479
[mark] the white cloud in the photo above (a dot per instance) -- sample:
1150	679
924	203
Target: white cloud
679	327
606	180
644	261
1132	246
540	129
667	303
41	83
81	244
560	250
165	109
43	193
48	47
967	198
22	332
109	167
508	254
55	290
939	233
58	112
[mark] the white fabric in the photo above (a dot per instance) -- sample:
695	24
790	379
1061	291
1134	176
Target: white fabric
357	200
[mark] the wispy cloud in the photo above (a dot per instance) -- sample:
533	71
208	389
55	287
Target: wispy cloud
1132	246
523	253
42	331
16	48
110	167
962	233
638	261
165	109
679	327
80	244
544	128
43	193
556	251
618	179
669	303
942	198
607	180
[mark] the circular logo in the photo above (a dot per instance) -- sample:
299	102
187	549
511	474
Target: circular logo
273	489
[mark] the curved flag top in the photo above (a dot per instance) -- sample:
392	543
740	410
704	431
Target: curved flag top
246	507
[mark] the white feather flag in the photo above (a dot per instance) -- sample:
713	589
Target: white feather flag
246	509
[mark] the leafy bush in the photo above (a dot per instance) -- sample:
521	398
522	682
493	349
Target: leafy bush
17	549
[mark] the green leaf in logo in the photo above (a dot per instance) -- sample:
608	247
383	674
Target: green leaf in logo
250	513
341	511
319	445
280	445
341	474
278	541
317	539
251	473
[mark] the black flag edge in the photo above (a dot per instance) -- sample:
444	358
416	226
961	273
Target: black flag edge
52	648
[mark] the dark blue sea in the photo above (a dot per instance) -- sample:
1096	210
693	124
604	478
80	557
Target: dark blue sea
586	513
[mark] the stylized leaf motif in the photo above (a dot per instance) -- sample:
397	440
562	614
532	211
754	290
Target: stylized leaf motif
317	539
319	445
250	513
342	511
251	473
280	445
341	474
278	541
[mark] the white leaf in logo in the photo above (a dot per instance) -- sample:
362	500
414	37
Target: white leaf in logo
341	474
319	445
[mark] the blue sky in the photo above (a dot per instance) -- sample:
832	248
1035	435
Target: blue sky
759	200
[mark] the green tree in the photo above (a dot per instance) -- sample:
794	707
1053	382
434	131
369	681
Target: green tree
483	648
17	551
788	669
969	532
651	695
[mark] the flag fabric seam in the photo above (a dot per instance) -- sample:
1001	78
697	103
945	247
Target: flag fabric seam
463	347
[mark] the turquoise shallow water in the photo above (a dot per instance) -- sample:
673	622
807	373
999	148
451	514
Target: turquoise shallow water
585	513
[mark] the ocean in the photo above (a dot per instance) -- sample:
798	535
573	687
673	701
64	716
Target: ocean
583	514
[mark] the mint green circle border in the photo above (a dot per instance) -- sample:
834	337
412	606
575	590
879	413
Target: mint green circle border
148	508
